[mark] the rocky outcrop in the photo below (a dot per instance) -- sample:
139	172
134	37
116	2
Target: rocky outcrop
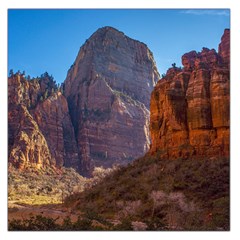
53	119
29	147
190	106
108	92
40	131
224	47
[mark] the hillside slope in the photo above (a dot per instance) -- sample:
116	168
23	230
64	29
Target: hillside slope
183	182
163	194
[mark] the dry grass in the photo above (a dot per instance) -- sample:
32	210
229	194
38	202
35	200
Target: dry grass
37	188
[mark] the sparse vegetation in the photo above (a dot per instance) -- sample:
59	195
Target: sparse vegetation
45	85
87	222
37	187
149	194
167	194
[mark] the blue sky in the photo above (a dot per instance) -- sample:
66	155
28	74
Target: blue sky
49	40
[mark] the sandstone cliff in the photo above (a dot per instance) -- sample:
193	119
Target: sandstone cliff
39	125
108	92
190	106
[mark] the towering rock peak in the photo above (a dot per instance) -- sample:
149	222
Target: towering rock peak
107	32
111	54
190	106
108	92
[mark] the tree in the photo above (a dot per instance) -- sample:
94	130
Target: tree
174	65
11	73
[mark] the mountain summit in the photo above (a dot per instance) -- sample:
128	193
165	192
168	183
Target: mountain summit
108	91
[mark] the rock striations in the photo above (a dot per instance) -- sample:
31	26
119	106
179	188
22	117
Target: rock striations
108	91
190	106
101	119
39	126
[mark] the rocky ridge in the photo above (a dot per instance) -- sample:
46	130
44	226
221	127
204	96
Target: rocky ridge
39	126
190	106
108	92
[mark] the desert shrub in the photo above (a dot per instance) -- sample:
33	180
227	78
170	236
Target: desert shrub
188	189
220	214
37	223
41	187
125	225
156	223
41	223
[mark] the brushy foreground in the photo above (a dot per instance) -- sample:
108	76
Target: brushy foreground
48	186
149	194
163	194
85	222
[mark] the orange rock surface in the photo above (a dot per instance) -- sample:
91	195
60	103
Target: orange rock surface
189	111
39	126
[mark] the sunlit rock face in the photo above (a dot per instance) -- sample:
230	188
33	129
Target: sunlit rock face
40	132
108	91
190	106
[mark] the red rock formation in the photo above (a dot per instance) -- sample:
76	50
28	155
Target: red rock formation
224	47
190	106
53	119
29	147
40	131
108	91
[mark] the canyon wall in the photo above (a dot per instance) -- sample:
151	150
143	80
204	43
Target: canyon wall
39	125
108	91
190	106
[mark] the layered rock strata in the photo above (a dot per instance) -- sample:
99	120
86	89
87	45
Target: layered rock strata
39	126
108	92
190	106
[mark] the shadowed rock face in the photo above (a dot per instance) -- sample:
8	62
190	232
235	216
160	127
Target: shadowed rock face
190	106
108	92
40	130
